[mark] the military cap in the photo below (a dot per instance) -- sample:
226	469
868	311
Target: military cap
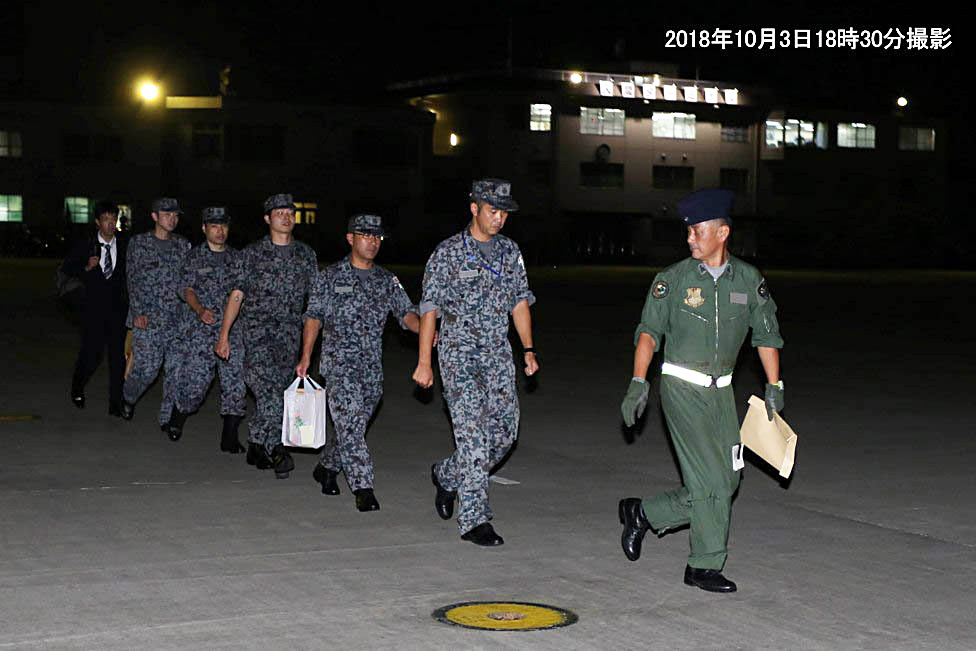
278	201
496	192
166	204
366	224
215	215
703	205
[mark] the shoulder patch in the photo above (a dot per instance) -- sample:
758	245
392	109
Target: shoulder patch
660	289
762	290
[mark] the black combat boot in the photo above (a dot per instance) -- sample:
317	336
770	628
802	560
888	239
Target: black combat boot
365	500
443	499
635	526
484	535
174	428
281	461
127	409
257	456
327	478
228	438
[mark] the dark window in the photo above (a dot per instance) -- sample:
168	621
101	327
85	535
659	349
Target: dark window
539	172
74	147
254	142
734	133
734	179
383	149
594	174
672	177
516	118
208	140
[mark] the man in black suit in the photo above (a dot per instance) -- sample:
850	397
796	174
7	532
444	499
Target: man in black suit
99	261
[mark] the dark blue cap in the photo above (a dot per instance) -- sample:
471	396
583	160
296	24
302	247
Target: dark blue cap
703	205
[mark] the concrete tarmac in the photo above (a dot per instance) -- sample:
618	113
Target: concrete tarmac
113	537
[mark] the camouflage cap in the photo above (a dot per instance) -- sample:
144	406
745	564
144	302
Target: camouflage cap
166	204
367	224
278	201
496	192
215	215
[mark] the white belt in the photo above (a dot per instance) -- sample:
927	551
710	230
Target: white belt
695	377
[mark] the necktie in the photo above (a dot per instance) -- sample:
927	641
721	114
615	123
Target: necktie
107	266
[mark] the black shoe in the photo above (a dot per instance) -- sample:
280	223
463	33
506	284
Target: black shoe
711	580
635	526
228	437
78	400
444	500
365	500
257	456
114	409
484	535
327	478
174	428
282	462
127	409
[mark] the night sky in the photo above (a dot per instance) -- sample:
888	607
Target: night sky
298	51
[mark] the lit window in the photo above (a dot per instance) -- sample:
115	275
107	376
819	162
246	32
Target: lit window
305	212
916	139
11	208
125	217
799	133
774	134
77	209
602	122
734	133
10	144
540	117
670	92
691	93
731	95
711	95
856	135
673	125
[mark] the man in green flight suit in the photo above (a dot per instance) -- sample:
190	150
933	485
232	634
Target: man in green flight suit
701	308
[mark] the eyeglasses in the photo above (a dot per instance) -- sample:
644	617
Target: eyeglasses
369	236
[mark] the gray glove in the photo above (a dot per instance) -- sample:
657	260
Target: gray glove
774	399
634	402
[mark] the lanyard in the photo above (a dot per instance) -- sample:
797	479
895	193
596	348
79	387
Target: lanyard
479	259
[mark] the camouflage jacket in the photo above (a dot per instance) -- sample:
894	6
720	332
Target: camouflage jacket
152	274
275	280
211	276
474	296
353	313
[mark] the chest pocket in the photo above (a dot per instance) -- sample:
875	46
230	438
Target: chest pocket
735	305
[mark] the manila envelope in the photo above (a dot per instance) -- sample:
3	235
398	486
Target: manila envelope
774	441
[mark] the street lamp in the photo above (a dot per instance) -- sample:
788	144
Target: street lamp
902	102
147	90
576	78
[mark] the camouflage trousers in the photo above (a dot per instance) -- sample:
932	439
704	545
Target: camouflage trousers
197	365
269	367
153	349
351	404
482	398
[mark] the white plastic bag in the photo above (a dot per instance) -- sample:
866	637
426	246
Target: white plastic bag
304	416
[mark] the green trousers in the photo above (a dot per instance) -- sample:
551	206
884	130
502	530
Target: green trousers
704	428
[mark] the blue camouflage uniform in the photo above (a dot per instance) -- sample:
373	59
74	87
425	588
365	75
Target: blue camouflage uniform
275	280
474	296
211	275
353	312
153	269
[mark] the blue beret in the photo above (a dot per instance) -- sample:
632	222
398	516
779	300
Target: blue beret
703	205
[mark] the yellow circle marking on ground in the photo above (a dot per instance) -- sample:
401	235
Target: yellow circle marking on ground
507	616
